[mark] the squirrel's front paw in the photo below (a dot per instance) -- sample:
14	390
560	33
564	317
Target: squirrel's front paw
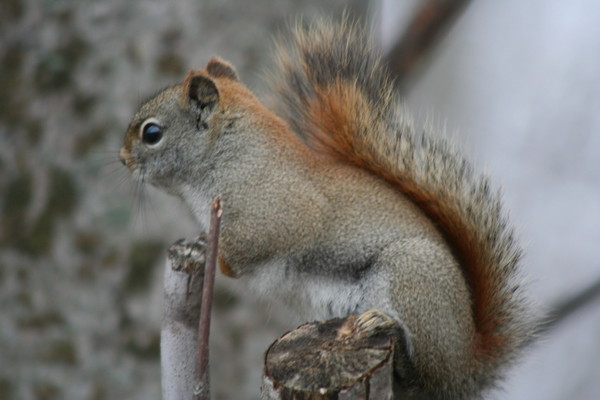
188	257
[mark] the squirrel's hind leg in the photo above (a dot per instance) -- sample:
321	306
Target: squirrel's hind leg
431	302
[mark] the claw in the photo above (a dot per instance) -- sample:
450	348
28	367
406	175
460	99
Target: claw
367	323
188	257
374	320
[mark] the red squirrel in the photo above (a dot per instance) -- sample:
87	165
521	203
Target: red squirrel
334	205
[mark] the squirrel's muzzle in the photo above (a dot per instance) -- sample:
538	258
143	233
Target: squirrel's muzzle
125	158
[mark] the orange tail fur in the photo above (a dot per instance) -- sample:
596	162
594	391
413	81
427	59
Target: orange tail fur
335	94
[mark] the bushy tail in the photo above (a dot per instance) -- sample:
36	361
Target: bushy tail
334	93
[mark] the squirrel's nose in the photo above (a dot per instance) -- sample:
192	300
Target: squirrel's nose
123	156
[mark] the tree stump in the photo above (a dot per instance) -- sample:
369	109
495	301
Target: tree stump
329	360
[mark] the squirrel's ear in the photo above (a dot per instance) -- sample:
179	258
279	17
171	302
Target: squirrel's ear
199	94
221	69
202	91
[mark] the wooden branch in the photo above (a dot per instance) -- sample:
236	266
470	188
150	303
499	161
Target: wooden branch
430	22
179	332
568	306
186	321
202	389
328	360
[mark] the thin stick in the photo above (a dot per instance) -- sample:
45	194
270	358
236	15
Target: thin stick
202	389
569	306
430	21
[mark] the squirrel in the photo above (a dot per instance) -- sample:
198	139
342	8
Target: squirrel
335	205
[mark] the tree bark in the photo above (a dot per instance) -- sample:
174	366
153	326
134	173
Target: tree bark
179	333
188	282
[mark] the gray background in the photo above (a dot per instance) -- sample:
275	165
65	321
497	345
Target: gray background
516	83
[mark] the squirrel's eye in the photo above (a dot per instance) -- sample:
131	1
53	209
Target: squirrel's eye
151	133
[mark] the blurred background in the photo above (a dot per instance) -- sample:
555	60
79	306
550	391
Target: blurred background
516	83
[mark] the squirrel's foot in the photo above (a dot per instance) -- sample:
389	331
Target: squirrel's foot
375	321
188	257
368	323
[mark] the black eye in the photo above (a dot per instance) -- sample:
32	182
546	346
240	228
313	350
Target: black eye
151	133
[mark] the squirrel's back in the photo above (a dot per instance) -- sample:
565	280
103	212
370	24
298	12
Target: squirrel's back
335	94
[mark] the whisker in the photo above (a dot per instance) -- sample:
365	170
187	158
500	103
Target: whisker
150	211
138	199
103	160
142	218
110	170
143	204
118	183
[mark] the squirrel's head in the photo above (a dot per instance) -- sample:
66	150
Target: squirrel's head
174	133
